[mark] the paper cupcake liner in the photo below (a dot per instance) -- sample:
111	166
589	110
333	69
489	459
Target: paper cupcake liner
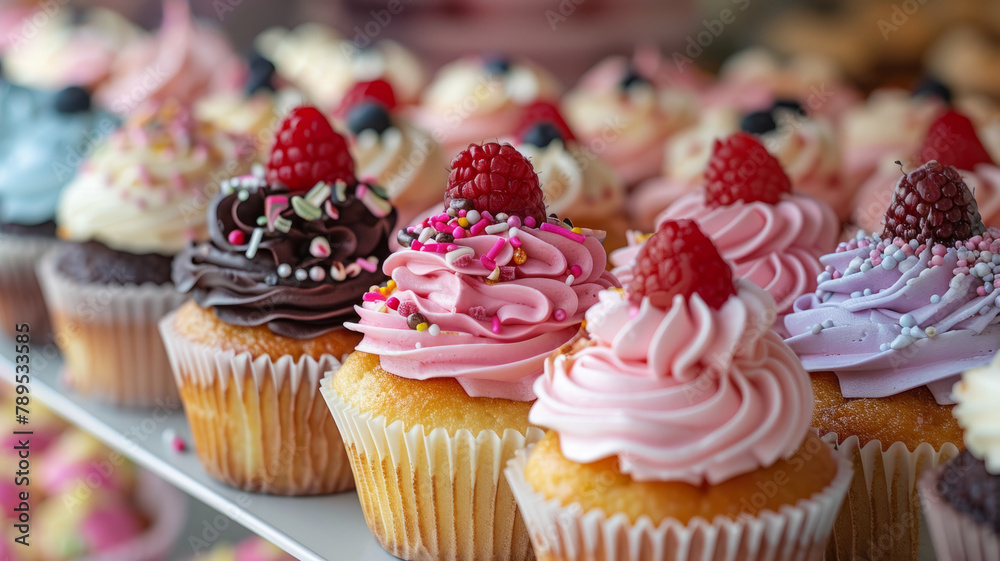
108	336
259	424
166	509
881	518
432	496
567	533
956	537
21	299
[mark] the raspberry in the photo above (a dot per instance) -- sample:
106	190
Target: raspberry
496	178
932	203
307	150
741	169
543	112
378	91
680	259
952	141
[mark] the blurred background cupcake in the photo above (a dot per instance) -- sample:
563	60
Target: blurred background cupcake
479	98
46	136
960	497
392	152
325	65
138	200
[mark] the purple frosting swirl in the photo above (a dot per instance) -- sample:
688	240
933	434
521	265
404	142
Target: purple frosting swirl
314	259
891	316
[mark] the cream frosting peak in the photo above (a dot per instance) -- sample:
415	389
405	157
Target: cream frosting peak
977	395
688	394
575	182
146	189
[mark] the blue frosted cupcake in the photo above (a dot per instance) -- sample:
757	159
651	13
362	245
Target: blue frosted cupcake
44	136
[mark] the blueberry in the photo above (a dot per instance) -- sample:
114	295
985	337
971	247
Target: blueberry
541	135
932	87
73	99
368	115
788	105
631	78
495	64
261	74
758	122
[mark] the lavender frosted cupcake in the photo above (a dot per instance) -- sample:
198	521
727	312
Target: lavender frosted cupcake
895	319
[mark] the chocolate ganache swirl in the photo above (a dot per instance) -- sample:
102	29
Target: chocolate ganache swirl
294	261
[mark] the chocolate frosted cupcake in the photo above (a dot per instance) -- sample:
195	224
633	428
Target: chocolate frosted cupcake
289	255
962	499
135	203
45	137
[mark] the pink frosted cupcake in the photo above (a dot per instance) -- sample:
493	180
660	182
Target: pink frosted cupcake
772	236
184	61
755	78
951	140
670	418
480	98
627	118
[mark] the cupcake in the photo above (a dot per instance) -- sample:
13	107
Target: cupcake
679	419
46	136
895	319
74	47
78	462
806	147
184	61
771	235
138	200
288	255
627	119
325	65
441	383
888	127
962	57
575	181
257	111
755	78
960	497
685	159
391	151
951	140
480	98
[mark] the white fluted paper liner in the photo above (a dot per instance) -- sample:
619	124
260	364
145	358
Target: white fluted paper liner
21	299
567	533
259	423
956	537
430	495
108	336
166	510
881	518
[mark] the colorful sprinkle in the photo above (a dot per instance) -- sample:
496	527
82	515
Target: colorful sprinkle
377	205
283	224
338	272
255	238
392	303
305	210
552	228
560	314
319	247
415	319
520	256
576	271
374	297
530	222
301	275
454	255
496	324
237	237
368	265
340	190
319	193
331	210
